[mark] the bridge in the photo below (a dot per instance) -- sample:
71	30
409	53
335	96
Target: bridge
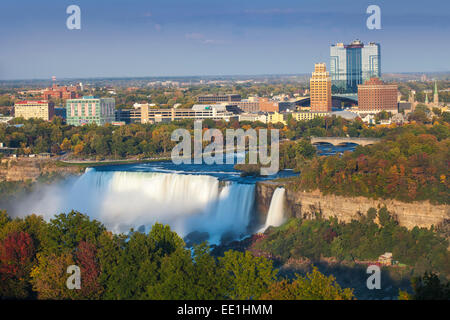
342	140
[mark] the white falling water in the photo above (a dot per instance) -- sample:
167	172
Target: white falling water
275	216
122	200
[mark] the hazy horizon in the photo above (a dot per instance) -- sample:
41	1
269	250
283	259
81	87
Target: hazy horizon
175	38
214	76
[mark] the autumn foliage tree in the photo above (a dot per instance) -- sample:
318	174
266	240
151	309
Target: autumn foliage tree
16	257
50	275
412	166
86	259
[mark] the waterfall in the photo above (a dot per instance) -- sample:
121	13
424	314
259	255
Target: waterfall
123	199
275	216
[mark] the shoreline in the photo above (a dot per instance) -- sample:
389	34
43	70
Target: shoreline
93	163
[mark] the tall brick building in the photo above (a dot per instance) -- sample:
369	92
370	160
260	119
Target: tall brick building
374	96
320	87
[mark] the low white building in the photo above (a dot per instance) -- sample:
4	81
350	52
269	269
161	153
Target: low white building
4	119
369	118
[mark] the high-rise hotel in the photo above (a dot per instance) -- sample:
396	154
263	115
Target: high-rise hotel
320	89
90	109
354	64
34	109
375	96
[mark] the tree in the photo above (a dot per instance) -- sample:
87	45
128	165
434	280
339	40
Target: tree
86	259
430	287
66	231
177	278
248	276
305	149
140	261
66	145
16	258
184	277
50	275
314	286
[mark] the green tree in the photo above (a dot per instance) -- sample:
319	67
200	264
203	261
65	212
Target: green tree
314	286
430	287
249	276
66	231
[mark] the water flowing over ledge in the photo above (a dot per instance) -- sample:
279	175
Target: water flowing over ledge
126	199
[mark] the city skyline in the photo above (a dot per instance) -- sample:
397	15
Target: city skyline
174	38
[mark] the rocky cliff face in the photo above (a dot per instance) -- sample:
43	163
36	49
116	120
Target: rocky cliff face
307	205
31	169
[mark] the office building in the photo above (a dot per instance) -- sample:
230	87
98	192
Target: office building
90	109
374	96
198	112
219	98
305	116
320	88
264	117
275	117
353	64
34	109
250	105
266	105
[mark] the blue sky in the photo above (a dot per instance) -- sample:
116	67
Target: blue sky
136	38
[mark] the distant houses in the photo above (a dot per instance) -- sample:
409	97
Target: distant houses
386	259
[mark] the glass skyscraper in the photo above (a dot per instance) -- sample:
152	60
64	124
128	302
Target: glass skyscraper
353	64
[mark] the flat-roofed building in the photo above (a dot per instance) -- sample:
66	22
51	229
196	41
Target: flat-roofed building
275	117
247	106
128	115
264	117
257	104
374	96
90	109
60	92
266	105
304	116
5	119
198	112
44	109
252	117
219	98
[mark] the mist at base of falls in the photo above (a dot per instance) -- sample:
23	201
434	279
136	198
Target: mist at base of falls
122	200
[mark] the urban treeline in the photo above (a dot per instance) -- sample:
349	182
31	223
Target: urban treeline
36	136
410	164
